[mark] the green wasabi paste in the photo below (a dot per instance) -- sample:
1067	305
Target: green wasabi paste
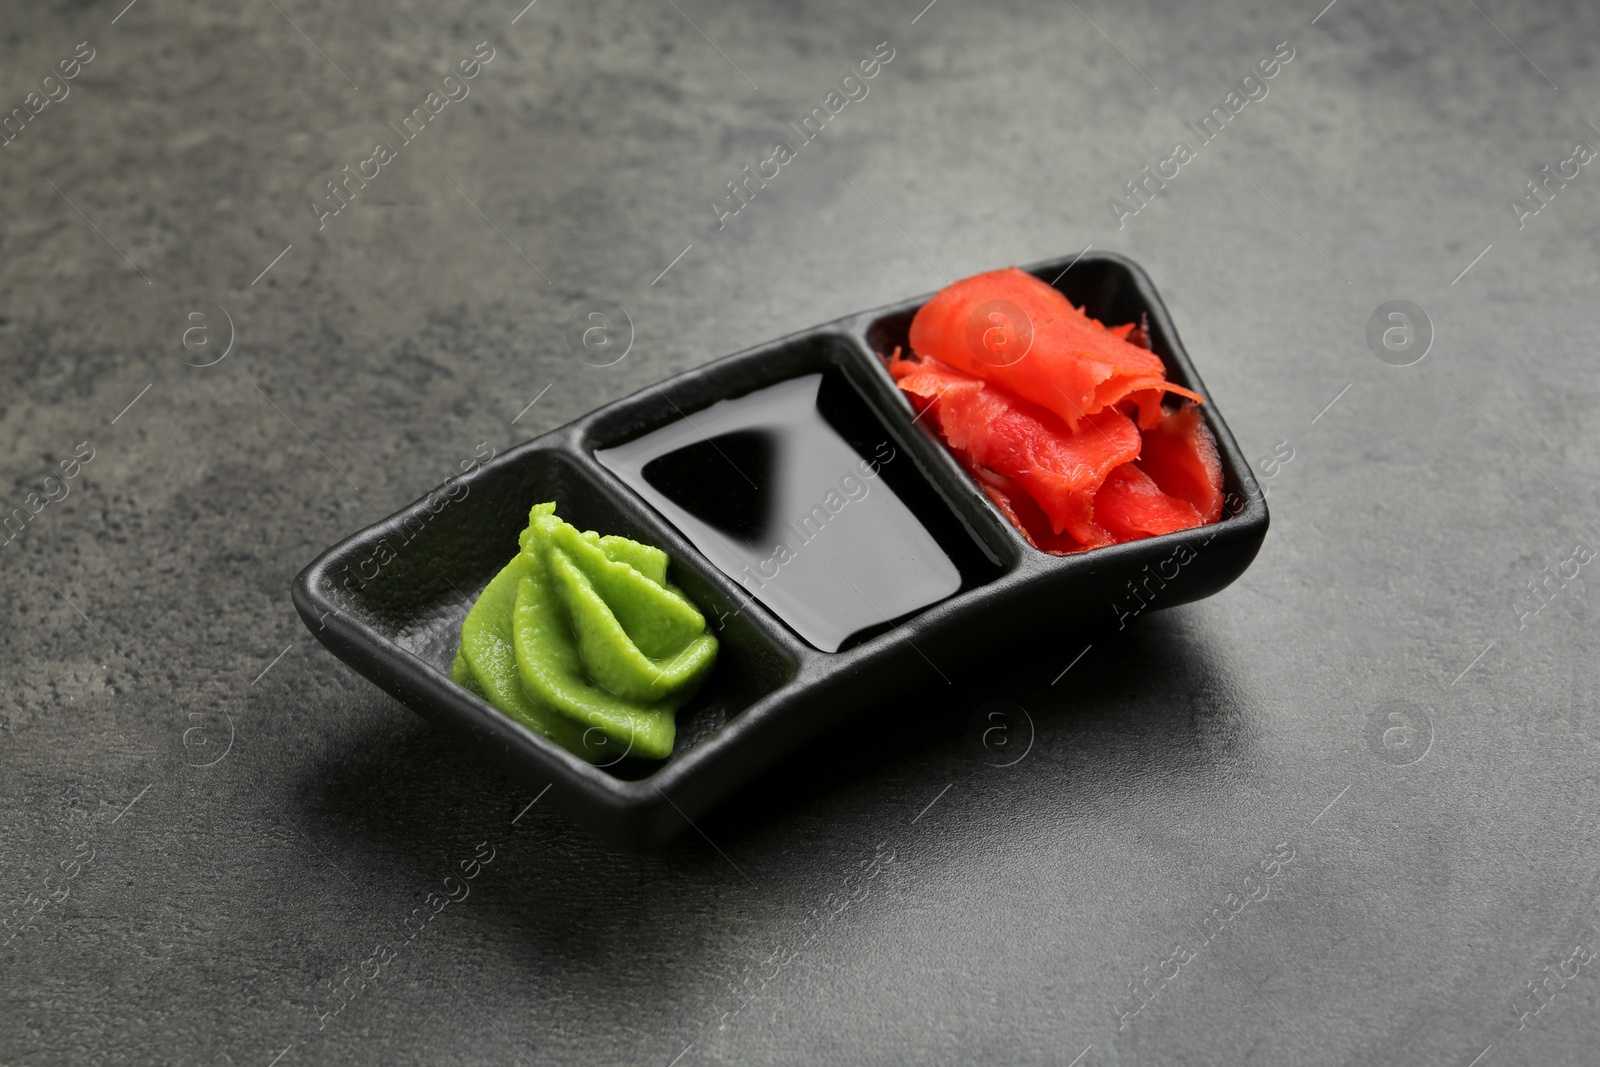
582	638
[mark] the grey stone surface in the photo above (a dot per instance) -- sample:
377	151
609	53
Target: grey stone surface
150	630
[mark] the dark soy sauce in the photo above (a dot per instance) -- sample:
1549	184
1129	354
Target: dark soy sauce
789	490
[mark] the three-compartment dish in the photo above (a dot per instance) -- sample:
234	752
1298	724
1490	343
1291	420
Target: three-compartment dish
839	551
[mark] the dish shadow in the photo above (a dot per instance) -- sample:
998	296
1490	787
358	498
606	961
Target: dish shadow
1143	702
1102	708
401	802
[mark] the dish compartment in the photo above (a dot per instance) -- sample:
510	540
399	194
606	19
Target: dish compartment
395	594
794	471
1113	290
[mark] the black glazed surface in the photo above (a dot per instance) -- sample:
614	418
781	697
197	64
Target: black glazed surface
771	691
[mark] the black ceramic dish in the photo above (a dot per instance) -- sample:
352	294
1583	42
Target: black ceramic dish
771	691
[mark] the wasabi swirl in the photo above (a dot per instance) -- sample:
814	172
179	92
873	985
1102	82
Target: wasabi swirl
582	638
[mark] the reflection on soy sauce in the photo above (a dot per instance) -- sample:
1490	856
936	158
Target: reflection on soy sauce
792	490
725	481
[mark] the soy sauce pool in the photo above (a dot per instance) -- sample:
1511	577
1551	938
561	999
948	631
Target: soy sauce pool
798	493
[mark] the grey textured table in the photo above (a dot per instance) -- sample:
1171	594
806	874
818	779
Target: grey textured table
1341	813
